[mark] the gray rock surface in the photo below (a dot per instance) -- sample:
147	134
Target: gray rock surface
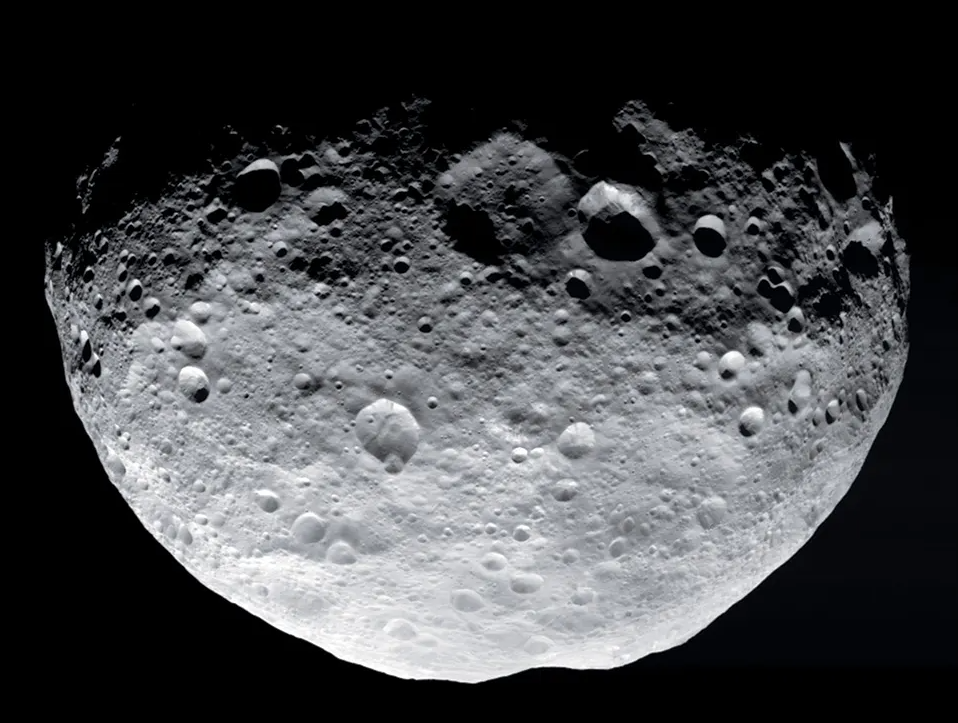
462	417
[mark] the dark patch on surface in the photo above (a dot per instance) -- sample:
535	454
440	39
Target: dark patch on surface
330	212
316	179
298	262
686	178
889	252
782	298
518	275
652	271
321	267
827	297
472	233
290	172
785	245
808	200
618	155
216	215
859	260
621	237
759	156
193	280
257	190
328	267
577	288
709	242
835	171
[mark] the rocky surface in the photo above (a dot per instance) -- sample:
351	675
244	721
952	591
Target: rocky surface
458	412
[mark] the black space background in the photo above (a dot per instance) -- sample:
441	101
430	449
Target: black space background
874	589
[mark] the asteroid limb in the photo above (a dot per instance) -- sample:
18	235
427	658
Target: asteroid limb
455	408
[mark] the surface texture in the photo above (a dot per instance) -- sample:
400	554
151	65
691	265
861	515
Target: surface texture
460	414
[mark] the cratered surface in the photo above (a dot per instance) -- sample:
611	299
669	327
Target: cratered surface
456	416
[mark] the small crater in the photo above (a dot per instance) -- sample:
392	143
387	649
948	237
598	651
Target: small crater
341	553
731	363
583	596
116	466
86	347
710	236
189	339
618	547
537	645
400	629
795	320
832	411
267	500
389	432
712	512
751	421
565	490
578	284
519	455
835	171
151	307
521	533
258	185
652	271
466	601
304	382
494	561
309	528
326	205
201	311
525	583
618	226
782	298
576	440
193	383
